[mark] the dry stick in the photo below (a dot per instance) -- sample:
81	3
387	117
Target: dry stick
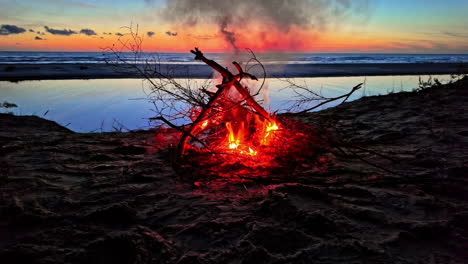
258	63
148	77
295	87
182	131
205	110
346	96
143	73
234	80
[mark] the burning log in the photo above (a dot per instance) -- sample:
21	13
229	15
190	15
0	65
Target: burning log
229	80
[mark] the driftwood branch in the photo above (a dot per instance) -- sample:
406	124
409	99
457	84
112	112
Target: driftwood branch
329	100
183	131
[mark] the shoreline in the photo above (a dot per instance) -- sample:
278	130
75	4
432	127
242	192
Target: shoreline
22	72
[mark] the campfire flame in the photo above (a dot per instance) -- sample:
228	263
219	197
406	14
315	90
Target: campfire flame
234	141
270	130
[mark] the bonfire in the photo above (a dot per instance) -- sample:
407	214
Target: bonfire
232	130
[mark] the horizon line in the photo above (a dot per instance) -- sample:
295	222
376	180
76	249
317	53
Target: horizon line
259	52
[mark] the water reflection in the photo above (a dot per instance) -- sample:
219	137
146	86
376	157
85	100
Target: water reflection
109	104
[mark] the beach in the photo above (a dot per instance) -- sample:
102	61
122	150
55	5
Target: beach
237	132
110	198
24	71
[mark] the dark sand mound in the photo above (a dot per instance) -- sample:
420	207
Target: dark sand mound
102	198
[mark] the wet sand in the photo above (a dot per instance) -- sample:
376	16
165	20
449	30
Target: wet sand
18	72
105	198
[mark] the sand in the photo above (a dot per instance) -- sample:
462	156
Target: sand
103	198
18	72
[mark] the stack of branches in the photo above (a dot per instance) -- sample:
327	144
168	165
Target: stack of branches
175	98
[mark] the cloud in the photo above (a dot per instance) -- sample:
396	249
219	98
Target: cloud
11	29
170	33
455	34
38	38
119	34
150	33
421	45
105	33
204	37
63	32
88	32
31	30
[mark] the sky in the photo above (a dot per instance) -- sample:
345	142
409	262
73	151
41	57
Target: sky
322	26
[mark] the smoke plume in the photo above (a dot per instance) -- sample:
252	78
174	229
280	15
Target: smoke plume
269	15
229	36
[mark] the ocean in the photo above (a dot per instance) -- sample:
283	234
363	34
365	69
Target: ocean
266	58
97	104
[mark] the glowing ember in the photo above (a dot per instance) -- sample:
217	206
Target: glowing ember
271	127
204	124
252	152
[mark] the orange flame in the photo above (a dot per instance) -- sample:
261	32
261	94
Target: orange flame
233	142
270	129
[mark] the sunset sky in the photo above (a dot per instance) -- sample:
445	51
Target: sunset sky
373	26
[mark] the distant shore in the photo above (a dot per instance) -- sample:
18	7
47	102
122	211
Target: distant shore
20	72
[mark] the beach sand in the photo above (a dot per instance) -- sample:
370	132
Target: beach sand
18	72
103	198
